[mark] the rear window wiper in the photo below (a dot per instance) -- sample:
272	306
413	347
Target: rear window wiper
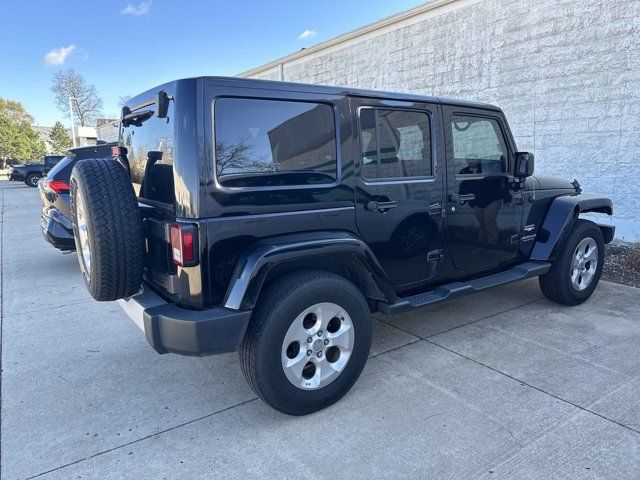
136	118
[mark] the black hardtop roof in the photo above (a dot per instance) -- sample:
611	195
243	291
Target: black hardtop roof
310	88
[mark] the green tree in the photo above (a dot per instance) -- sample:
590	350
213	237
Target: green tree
18	140
59	139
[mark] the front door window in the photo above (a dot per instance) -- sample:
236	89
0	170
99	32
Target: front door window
478	146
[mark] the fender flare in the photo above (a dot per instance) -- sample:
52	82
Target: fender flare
561	216
257	260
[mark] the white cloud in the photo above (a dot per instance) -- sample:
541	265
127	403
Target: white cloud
307	34
57	56
141	8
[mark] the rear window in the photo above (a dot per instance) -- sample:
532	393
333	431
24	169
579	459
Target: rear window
62	169
270	143
150	155
51	160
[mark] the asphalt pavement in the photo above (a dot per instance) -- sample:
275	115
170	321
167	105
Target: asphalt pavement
502	384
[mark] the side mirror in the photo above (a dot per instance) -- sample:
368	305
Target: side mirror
523	164
162	104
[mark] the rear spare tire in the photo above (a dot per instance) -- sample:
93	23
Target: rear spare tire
107	228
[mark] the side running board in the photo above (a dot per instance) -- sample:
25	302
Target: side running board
455	289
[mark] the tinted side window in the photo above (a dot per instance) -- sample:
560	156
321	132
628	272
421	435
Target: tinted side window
152	175
262	143
395	144
478	145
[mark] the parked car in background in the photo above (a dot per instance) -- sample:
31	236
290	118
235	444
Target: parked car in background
275	218
30	173
56	217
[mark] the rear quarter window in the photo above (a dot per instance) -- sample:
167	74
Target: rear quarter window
271	143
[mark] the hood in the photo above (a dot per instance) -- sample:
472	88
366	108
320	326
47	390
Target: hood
546	182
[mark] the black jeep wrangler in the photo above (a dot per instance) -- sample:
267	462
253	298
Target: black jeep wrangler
274	218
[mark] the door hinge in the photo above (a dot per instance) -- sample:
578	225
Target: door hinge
515	239
437	209
435	256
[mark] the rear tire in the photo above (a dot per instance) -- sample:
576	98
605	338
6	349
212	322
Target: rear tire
576	271
339	350
107	229
31	180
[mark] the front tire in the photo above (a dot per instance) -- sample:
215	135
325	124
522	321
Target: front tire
307	342
576	271
31	179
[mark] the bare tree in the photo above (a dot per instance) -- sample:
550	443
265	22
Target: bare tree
123	99
86	104
235	157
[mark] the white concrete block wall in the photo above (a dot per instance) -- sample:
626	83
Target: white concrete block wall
566	73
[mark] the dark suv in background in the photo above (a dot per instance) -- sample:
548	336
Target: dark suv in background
56	219
274	218
30	173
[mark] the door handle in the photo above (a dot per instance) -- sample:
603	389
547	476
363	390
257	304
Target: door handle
381	206
454	197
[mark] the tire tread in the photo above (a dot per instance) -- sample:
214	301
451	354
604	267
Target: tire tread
115	228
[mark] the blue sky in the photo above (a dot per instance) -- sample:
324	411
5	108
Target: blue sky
124	47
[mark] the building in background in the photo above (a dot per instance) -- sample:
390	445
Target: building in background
107	129
44	133
84	135
567	75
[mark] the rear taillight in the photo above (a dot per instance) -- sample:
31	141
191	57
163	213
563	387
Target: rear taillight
118	151
183	241
58	186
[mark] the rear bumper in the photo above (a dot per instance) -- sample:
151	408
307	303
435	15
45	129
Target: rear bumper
171	329
57	229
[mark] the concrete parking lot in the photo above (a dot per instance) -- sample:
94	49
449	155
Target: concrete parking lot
503	384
